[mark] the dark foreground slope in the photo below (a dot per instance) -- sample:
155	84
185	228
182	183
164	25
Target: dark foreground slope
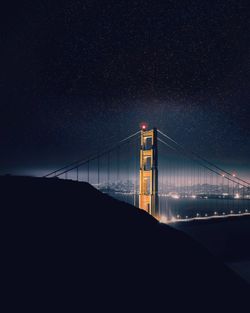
68	245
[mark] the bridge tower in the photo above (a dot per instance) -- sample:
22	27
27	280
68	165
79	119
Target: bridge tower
148	197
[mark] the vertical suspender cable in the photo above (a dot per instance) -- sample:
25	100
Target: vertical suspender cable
98	172
117	164
108	170
88	170
233	196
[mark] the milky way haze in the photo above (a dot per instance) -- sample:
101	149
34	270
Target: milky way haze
72	70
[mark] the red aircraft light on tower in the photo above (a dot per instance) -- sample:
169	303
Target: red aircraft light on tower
143	126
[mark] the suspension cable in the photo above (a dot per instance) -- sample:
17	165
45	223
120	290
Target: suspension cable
85	160
93	158
203	159
203	165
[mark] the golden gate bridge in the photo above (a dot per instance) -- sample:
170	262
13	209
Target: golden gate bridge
154	172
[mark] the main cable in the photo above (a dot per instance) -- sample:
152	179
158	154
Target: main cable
203	165
203	159
93	158
85	160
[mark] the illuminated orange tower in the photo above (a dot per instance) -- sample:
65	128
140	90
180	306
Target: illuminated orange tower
148	197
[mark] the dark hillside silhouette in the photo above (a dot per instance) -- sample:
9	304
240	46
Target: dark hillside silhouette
67	245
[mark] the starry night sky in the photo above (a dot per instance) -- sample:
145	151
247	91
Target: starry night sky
78	74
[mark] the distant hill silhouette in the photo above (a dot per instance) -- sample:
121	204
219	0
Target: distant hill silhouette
68	246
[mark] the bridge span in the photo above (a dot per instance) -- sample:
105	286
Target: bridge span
154	172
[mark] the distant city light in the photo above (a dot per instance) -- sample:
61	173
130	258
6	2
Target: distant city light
237	196
175	196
